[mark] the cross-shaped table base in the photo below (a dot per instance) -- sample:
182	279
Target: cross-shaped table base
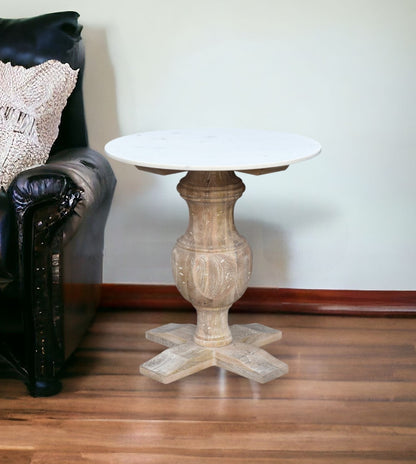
243	356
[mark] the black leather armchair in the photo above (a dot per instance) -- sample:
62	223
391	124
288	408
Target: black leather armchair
52	221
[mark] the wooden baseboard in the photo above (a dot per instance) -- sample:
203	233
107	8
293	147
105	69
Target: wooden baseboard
269	300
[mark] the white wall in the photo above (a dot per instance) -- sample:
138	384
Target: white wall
341	72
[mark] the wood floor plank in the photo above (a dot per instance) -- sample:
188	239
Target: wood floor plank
185	457
134	385
133	435
274	411
15	457
286	389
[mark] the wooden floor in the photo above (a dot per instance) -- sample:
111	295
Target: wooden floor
350	397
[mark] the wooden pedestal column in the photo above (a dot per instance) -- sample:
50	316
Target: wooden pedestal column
211	264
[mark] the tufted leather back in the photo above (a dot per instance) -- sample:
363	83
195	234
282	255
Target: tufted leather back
31	41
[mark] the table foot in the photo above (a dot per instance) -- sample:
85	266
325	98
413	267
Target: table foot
178	362
243	356
172	334
250	361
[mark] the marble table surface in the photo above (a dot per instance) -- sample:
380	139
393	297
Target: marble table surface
212	149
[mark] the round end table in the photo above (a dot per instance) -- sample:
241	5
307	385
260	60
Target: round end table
211	262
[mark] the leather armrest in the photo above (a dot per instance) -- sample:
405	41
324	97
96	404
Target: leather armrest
73	185
67	177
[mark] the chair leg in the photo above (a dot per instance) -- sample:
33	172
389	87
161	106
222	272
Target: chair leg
44	387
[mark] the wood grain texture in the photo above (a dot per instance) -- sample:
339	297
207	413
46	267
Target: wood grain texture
184	357
349	397
211	262
368	303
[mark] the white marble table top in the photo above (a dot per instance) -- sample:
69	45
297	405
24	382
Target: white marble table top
212	149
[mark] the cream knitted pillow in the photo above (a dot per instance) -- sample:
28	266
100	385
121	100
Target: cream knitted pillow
31	103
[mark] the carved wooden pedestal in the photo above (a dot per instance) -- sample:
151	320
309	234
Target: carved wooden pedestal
211	264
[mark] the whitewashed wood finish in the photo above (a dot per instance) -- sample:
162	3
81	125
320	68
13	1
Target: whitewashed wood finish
185	357
211	264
